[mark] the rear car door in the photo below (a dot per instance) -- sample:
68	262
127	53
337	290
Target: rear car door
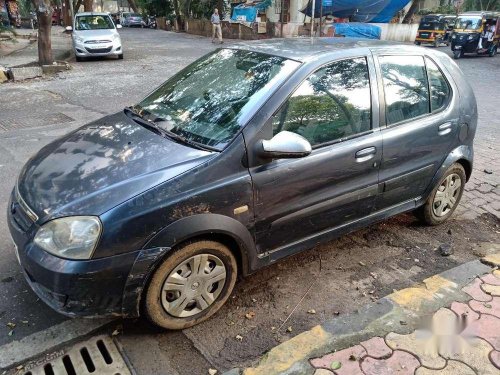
337	183
420	123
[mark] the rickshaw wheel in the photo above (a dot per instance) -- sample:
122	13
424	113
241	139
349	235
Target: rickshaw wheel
457	54
493	52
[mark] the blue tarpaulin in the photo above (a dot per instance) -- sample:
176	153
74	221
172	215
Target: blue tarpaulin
249	10
358	10
250	13
357	30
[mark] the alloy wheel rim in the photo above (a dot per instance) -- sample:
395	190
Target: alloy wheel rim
193	285
446	196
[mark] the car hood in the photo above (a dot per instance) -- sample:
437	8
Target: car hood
95	34
101	165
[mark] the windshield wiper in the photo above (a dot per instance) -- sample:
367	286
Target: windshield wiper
129	111
152	124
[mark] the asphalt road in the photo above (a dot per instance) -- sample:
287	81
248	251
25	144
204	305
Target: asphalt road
334	278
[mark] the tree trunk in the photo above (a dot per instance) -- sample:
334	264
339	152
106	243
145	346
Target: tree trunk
133	5
44	17
67	13
413	9
77	6
87	5
178	14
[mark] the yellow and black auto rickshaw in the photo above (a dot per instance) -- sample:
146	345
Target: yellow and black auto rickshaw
476	32
435	29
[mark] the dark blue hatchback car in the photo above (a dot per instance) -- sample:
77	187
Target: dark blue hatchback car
248	155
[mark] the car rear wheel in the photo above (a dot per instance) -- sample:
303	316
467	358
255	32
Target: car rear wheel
445	197
190	285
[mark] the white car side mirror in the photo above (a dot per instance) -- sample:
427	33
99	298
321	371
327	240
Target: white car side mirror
119	26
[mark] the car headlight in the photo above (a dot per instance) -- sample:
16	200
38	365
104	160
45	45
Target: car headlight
78	39
73	237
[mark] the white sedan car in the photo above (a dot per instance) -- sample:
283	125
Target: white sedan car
95	34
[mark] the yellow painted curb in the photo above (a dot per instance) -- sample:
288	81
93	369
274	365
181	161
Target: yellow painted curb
283	356
413	298
493	259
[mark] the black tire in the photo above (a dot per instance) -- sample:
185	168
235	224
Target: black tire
120	57
457	54
152	302
493	52
79	59
426	213
436	43
417	43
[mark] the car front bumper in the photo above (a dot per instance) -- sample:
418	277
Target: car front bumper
110	286
83	49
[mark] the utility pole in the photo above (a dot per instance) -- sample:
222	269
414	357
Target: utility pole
320	17
282	17
312	17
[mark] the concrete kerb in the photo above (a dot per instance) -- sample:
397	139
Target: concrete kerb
401	312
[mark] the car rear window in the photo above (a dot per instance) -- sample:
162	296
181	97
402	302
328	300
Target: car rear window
405	86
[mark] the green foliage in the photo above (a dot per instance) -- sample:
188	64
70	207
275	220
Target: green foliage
202	8
481	5
160	8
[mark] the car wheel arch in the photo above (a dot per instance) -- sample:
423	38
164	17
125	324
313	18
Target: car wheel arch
214	227
462	155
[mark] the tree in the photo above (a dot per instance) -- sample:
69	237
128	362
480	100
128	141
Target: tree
415	6
44	11
481	5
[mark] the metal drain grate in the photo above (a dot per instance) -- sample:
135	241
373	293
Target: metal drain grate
98	356
31	122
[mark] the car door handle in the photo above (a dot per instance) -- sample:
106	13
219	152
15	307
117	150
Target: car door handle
365	154
445	128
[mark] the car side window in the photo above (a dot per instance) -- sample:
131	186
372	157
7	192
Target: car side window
440	90
333	103
405	87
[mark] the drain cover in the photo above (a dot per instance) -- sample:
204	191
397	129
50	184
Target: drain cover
98	356
30	121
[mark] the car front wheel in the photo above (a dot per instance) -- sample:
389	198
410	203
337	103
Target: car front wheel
445	197
191	285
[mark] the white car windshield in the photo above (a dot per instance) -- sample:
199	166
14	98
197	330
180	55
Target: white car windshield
94	23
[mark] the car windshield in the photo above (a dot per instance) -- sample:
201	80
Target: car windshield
94	23
134	15
206	102
468	23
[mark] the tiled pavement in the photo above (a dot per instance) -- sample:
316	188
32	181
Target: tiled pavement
463	339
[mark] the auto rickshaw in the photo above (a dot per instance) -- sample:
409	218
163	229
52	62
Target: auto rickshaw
435	29
476	32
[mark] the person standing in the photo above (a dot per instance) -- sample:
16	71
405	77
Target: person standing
216	29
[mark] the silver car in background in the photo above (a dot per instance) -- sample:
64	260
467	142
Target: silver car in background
132	20
95	34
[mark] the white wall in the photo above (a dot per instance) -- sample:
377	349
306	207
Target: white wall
398	31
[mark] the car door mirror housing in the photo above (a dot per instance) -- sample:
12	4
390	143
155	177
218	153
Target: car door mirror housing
285	144
69	28
118	26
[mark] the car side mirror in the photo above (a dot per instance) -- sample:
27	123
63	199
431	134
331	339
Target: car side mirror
285	144
69	28
119	26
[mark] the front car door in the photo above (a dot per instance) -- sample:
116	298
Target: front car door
419	125
336	109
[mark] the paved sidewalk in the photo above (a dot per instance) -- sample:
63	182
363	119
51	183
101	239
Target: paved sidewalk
408	332
61	48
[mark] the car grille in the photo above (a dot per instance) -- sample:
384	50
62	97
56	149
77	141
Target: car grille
97	41
23	216
99	50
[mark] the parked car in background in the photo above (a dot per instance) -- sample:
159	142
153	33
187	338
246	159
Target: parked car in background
95	34
132	20
251	154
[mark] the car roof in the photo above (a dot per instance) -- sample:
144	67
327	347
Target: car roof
92	14
303	49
